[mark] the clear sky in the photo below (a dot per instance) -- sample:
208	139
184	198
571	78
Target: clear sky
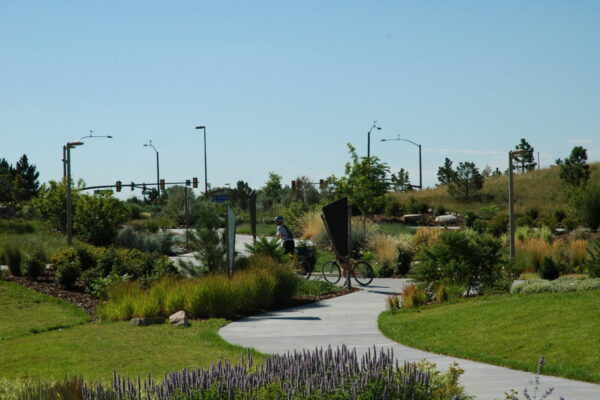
283	86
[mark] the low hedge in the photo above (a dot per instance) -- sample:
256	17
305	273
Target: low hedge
563	284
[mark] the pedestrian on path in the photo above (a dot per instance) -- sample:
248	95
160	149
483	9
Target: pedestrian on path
285	234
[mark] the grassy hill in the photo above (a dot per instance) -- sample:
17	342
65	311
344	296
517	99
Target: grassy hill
542	190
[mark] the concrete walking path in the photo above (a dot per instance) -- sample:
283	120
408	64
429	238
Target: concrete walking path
352	320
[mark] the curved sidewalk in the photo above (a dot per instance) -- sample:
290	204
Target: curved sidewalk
352	320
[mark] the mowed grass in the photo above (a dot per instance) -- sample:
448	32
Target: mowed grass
93	351
396	228
510	330
261	229
24	312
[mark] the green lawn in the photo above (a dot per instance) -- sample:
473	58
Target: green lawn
93	351
261	229
23	312
66	345
509	330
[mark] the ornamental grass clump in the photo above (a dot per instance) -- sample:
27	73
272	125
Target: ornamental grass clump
256	288
319	374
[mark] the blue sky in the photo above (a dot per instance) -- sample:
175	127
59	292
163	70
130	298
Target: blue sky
283	86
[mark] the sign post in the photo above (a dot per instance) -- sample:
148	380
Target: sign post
230	240
253	215
337	220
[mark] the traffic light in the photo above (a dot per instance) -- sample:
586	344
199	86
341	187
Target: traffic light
293	184
321	183
143	187
188	182
118	186
162	184
132	186
194	182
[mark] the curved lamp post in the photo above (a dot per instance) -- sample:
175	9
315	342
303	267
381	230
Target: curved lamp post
511	202
67	148
420	164
205	174
149	144
91	135
369	138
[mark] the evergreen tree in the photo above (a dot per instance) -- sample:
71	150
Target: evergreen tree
466	182
272	191
401	181
445	173
7	174
574	170
241	195
30	177
526	161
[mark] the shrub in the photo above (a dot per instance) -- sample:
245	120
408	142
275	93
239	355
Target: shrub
267	248
426	237
13	256
393	207
385	248
32	266
498	225
441	293
310	224
406	252
413	296
593	263
393	302
531	253
462	259
549	270
587	205
67	273
563	284
96	219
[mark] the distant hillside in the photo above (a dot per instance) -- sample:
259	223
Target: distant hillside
540	189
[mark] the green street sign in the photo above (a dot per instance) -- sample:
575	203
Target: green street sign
146	192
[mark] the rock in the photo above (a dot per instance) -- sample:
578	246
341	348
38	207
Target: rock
446	219
179	319
412	218
146	321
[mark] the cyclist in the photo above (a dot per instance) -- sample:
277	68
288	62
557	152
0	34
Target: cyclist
284	233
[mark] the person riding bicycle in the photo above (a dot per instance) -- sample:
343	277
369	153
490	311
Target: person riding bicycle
284	233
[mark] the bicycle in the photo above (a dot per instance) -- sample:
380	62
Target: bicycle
300	262
361	271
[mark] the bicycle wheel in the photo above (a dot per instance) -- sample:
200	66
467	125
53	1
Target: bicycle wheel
331	272
362	273
303	269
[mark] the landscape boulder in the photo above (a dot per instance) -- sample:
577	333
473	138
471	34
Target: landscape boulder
413	218
446	219
179	319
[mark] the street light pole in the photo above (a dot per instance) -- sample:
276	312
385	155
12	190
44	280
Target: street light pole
511	205
67	148
157	167
369	138
420	162
205	173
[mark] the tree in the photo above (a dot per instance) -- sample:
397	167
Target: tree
365	182
526	160
466	182
446	173
401	181
96	219
329	188
272	191
575	170
51	204
210	243
29	176
305	191
7	174
240	196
